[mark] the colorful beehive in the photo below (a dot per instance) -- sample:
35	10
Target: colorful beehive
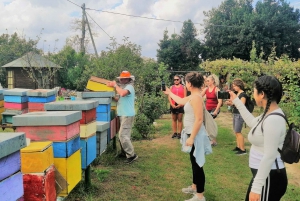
87	129
1	104
38	171
15	103
11	180
40	186
70	168
61	127
36	157
102	133
38	97
103	109
98	84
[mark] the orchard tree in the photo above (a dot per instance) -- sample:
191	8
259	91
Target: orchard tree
231	28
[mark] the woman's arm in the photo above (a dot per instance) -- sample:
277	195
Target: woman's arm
219	103
203	91
197	104
177	99
184	94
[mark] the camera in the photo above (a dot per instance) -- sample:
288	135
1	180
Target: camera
223	95
163	85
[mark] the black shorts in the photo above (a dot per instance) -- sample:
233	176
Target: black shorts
177	110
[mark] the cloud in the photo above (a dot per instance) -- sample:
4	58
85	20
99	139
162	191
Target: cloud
55	18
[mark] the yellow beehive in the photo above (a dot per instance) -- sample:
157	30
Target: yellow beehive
70	169
96	86
1	103
87	130
37	157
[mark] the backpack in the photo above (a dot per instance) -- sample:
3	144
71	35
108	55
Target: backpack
290	150
249	104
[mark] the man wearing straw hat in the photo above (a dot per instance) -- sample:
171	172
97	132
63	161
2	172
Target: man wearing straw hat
126	113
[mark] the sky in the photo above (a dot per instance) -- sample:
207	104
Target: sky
52	20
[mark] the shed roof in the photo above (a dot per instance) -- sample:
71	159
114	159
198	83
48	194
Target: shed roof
31	59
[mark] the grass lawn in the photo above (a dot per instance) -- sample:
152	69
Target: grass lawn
162	170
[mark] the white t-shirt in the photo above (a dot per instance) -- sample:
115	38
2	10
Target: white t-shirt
264	146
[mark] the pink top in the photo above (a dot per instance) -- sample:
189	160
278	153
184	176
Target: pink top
179	91
211	99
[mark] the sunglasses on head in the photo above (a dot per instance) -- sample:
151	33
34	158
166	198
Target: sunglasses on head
176	79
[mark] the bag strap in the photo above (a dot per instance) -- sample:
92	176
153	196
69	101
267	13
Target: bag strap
275	113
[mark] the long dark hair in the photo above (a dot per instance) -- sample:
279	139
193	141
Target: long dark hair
272	88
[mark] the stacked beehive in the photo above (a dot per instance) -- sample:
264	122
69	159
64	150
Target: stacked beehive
1	104
103	110
15	103
102	133
63	128
38	171
11	179
38	97
87	125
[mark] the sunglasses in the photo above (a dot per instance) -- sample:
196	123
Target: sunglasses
176	79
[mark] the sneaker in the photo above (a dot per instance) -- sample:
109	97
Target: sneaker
240	152
189	190
178	136
236	149
174	135
131	159
195	198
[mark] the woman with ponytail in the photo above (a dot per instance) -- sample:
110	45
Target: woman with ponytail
269	181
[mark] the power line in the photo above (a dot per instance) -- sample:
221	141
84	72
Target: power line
98	25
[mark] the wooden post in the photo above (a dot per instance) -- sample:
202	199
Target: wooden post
87	178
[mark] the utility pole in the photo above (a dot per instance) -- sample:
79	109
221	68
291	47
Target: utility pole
82	49
96	53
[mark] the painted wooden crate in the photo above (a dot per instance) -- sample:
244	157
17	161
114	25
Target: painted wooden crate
32	107
40	186
64	149
101	142
15	106
16	99
101	116
113	128
39	99
96	86
70	169
9	165
11	188
87	130
2	109
88	150
11	142
103	108
1	103
37	157
52	133
88	116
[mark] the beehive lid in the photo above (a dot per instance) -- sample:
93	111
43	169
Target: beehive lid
36	147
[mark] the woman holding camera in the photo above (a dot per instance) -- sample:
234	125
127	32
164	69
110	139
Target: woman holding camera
175	108
213	104
238	121
269	181
193	127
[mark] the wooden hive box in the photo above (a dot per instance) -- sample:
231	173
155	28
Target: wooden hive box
64	149
113	128
40	186
39	99
37	157
70	169
11	188
87	130
16	106
98	84
88	150
88	116
1	103
33	107
9	165
102	133
16	99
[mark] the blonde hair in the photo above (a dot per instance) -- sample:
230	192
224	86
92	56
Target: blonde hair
215	79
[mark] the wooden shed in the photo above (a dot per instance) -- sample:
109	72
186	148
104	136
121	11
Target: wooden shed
17	71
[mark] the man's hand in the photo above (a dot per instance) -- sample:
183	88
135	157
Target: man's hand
111	84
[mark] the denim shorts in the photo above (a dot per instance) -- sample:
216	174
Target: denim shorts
237	123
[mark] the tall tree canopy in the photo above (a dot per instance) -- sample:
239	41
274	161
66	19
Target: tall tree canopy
180	52
231	28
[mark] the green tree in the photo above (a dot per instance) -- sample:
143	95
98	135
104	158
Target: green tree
180	52
13	47
231	28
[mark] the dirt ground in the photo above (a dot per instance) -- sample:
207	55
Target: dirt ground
224	119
